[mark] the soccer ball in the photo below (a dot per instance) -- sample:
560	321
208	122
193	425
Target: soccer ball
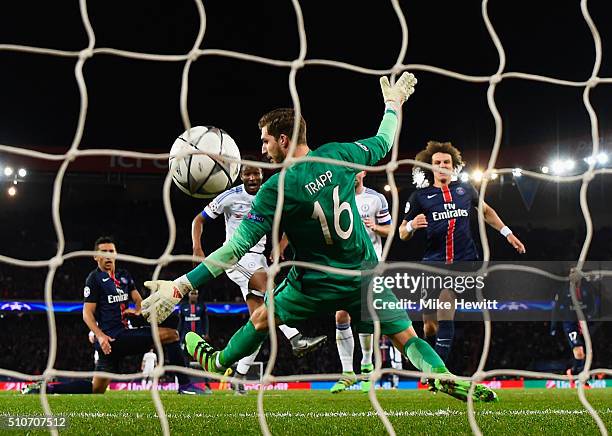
201	175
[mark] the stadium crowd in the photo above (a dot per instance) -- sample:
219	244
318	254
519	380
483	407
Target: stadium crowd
522	345
514	345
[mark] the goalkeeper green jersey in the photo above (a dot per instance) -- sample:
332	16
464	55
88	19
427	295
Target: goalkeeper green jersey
319	215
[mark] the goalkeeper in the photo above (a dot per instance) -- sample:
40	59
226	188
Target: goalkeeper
322	222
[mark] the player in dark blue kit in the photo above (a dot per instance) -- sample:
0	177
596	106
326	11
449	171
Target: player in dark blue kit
193	317
587	296
443	207
106	312
107	294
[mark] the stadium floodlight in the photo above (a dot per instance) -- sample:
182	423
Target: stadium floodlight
8	171
557	167
518	172
602	158
22	172
477	176
545	169
560	166
387	188
12	191
464	176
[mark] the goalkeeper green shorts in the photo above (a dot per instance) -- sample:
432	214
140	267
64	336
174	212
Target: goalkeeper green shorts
292	305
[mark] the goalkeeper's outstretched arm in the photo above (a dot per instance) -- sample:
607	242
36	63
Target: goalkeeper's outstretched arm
371	150
165	295
243	239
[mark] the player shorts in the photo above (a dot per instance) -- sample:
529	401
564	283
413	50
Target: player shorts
292	306
127	342
241	273
434	293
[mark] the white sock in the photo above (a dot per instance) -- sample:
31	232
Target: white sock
396	363
346	346
289	332
396	358
245	363
365	339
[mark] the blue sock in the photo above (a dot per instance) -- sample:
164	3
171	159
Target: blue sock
431	340
175	357
444	339
75	387
578	366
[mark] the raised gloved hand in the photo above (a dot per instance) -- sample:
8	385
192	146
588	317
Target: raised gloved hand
165	295
395	95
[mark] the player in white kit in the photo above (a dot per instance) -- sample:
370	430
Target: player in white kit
374	212
149	361
235	204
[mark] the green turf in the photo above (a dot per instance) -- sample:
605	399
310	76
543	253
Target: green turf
519	412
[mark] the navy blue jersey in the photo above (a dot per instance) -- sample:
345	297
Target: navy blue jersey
111	295
588	296
193	318
448	211
573	331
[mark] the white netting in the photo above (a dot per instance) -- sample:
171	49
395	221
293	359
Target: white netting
194	54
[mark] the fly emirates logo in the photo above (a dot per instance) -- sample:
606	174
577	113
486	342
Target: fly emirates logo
450	211
119	298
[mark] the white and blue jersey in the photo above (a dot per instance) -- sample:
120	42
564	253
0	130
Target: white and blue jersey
234	204
448	210
373	205
111	295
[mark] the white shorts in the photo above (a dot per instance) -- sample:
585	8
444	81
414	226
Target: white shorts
244	269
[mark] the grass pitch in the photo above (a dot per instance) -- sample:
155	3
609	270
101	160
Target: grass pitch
519	412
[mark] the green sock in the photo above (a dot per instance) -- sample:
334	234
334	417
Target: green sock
244	342
423	357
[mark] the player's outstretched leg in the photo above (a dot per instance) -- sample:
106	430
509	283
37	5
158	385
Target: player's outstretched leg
424	358
74	387
244	342
460	389
202	352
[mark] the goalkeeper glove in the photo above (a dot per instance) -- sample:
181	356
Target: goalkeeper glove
165	295
395	95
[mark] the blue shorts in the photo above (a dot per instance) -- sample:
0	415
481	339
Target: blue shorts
127	342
